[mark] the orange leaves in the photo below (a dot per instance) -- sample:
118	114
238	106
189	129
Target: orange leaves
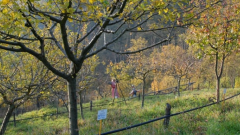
216	24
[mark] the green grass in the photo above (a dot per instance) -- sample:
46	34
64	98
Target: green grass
210	120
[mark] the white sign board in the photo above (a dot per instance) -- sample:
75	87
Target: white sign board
224	91
102	114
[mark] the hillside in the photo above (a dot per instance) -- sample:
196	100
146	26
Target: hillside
208	120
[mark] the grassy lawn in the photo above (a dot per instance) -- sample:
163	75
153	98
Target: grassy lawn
209	120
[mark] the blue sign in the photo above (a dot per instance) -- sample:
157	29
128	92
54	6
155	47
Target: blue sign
102	114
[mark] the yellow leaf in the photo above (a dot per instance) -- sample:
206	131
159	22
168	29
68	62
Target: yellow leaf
159	12
4	2
165	10
70	19
91	1
138	28
99	15
12	15
5	11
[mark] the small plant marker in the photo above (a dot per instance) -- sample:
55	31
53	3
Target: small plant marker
224	92
102	114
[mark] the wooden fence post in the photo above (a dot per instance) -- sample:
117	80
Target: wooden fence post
90	105
167	119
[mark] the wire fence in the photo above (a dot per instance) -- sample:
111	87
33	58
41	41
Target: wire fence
170	90
128	128
159	92
167	116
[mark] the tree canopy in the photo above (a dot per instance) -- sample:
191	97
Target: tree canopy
62	34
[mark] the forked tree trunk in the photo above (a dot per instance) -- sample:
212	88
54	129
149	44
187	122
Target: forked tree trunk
6	119
72	106
218	74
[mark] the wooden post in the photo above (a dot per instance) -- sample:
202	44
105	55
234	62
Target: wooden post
167	119
139	96
100	127
90	105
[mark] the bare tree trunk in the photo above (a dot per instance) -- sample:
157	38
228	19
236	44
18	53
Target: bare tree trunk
22	108
178	86
143	92
232	81
188	86
57	105
218	89
209	85
38	102
64	103
80	104
84	95
218	74
99	92
6	119
72	105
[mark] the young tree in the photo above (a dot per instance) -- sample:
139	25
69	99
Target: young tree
86	78
137	68
140	63
176	62
36	27
217	35
21	81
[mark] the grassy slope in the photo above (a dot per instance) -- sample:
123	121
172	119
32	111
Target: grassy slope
208	120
